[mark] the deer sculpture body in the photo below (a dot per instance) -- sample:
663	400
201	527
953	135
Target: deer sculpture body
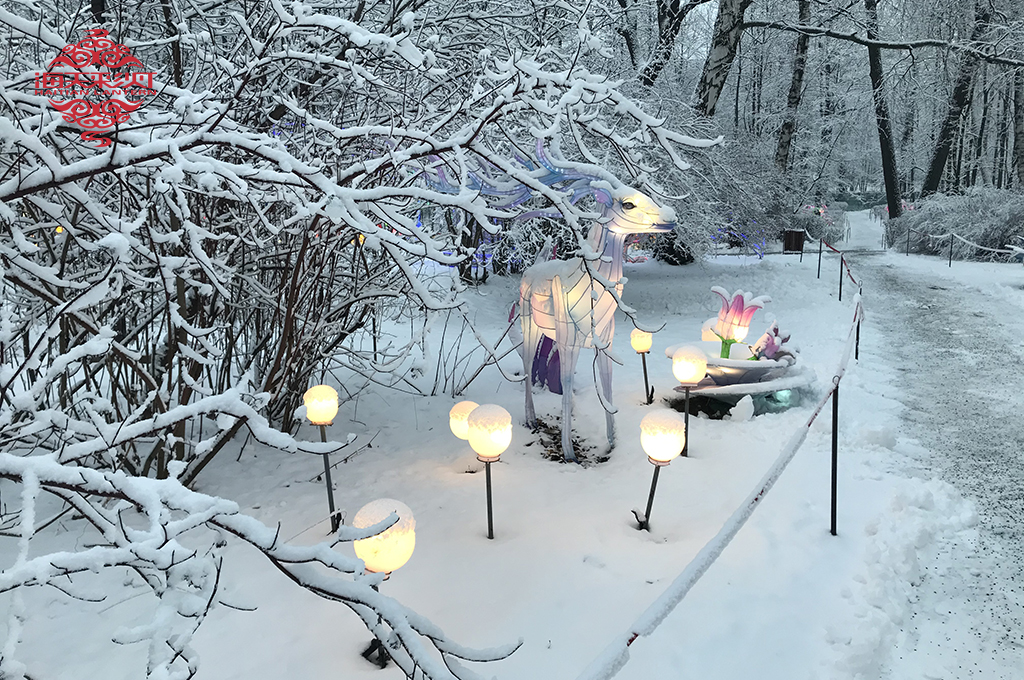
565	301
570	301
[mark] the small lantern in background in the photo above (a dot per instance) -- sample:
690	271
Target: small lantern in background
641	342
689	366
490	432
321	406
387	551
662	436
457	418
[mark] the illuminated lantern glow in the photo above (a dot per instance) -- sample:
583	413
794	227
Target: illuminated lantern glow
457	418
735	316
321	404
490	431
641	341
689	365
392	548
662	436
707	331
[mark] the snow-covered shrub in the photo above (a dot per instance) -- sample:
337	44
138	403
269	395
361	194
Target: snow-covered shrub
173	538
828	222
991	218
732	198
192	279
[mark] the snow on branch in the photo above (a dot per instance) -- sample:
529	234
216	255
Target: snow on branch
153	527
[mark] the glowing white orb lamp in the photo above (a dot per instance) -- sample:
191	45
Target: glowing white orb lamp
641	341
392	548
662	435
321	404
490	433
689	365
457	418
489	429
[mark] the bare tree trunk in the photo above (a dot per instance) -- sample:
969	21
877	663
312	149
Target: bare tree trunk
980	140
627	29
957	101
1018	126
796	86
671	14
724	42
99	8
999	171
885	139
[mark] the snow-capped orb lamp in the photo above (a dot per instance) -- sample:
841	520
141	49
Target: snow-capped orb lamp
641	341
490	431
321	404
662	435
689	365
457	418
392	548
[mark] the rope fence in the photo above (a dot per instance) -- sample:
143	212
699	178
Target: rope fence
1009	250
616	655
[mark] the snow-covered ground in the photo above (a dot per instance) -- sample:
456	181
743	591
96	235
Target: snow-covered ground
568	570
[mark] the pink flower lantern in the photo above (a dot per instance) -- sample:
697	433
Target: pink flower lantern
735	316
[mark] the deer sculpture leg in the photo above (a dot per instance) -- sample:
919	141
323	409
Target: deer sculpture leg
604	369
568	345
531	338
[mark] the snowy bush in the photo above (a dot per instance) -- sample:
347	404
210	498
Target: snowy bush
173	538
991	218
828	222
260	224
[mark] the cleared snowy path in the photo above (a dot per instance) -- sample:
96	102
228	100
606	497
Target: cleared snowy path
955	339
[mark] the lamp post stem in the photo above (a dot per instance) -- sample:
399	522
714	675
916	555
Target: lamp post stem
650	499
819	258
490	516
648	394
376	648
327	478
686	422
835	453
950	249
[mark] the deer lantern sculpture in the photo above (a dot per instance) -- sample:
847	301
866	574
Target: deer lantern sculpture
570	301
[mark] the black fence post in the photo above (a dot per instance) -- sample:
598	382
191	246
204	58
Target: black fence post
835	452
856	346
819	259
842	265
951	250
908	241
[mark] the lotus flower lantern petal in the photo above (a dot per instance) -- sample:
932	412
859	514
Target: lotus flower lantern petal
734	318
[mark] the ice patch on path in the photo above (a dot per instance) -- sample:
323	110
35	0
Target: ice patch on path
887	588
